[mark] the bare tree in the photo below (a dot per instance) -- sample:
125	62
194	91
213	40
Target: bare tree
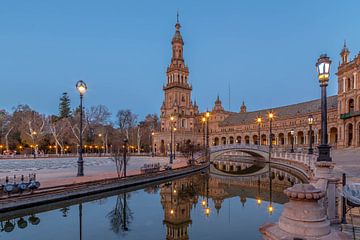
5	127
57	128
126	121
74	123
30	124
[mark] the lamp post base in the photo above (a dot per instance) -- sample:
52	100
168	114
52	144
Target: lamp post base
311	151
324	153
80	169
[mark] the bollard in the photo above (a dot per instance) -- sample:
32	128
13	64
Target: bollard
343	217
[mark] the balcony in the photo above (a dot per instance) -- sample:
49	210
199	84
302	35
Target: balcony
349	115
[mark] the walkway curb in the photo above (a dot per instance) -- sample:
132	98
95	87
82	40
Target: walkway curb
99	187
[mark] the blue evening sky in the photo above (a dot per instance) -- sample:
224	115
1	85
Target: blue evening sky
266	50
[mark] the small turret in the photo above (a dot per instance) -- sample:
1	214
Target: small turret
243	107
345	54
218	106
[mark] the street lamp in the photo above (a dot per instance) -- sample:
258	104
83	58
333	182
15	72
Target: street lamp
258	121
311	122
270	117
323	69
81	87
205	121
171	138
152	144
292	132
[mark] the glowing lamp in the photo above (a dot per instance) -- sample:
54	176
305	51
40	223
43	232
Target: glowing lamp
323	69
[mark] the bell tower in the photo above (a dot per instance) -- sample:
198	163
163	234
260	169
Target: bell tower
177	90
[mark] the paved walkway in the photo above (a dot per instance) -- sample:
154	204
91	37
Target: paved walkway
347	161
62	171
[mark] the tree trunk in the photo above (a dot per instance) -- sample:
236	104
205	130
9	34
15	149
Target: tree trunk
7	138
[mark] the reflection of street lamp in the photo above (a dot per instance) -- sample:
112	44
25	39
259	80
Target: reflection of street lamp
311	122
292	140
207	211
258	121
270	209
323	68
258	200
81	87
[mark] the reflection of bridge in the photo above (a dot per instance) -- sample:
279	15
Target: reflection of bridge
300	161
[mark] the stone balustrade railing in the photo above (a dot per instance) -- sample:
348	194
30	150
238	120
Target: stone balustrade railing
308	160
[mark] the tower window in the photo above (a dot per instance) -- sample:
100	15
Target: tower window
183	98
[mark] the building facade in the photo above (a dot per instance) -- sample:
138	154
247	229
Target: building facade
181	118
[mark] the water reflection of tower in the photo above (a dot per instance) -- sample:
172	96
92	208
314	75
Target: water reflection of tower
177	199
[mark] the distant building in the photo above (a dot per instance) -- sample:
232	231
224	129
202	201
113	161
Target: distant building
230	127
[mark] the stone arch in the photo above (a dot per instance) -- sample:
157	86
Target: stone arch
281	138
333	136
223	140
162	147
231	140
216	141
300	138
351	105
238	139
349	134
273	139
247	139
263	139
255	139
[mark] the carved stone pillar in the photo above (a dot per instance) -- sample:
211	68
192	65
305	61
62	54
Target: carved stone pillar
302	218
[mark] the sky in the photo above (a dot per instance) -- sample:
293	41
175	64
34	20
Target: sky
263	51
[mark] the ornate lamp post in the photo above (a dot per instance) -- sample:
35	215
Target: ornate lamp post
271	117
258	121
81	87
205	121
311	122
292	132
323	69
152	144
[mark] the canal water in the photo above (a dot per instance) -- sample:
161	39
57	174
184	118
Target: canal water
224	203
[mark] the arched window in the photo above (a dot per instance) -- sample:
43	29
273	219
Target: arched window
349	84
183	123
216	141
183	98
351	105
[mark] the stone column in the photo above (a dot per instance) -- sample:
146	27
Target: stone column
327	182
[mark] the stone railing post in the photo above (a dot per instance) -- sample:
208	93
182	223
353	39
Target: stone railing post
302	218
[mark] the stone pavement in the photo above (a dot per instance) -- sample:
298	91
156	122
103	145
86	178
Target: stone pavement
62	171
347	161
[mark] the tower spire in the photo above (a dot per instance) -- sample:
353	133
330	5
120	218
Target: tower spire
177	16
345	54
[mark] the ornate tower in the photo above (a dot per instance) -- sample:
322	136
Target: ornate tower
348	99
177	104
177	90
